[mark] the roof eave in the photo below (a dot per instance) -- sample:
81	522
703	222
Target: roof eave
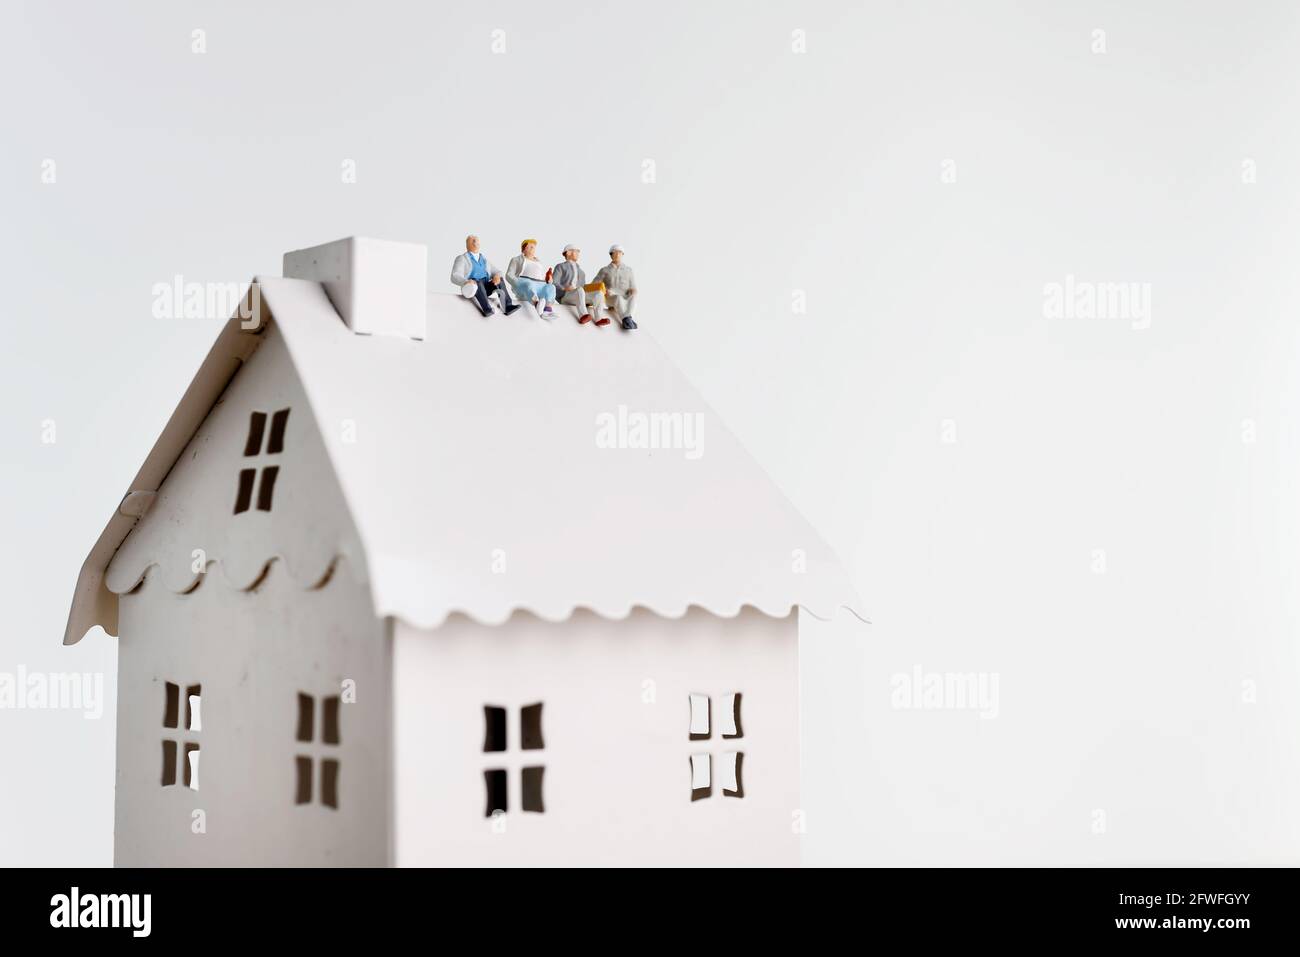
92	603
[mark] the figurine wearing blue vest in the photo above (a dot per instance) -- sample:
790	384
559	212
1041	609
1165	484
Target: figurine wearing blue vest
478	279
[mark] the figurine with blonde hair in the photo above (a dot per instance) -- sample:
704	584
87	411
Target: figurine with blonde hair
531	279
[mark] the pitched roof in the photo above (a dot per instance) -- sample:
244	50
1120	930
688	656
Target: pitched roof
520	439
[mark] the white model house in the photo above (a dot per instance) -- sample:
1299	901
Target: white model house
402	585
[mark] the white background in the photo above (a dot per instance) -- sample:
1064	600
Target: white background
1122	692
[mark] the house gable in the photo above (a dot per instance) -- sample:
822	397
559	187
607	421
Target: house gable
253	484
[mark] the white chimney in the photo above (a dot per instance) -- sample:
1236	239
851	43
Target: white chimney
377	286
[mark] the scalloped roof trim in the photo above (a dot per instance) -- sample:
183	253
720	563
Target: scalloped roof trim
621	612
314	575
610	611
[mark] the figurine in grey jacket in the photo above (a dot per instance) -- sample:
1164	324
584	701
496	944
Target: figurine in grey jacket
620	286
575	291
471	266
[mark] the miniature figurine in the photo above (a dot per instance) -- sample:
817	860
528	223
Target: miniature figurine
620	286
571	282
473	269
532	279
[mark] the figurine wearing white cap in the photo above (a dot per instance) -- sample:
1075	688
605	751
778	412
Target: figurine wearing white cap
620	286
572	284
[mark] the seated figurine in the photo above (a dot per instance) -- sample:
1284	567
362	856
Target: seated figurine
620	286
531	279
472	269
571	283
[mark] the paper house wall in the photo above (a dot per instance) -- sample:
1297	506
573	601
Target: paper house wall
507	594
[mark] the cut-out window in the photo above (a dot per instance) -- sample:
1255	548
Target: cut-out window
302	765
256	426
330	736
731	727
494	718
530	728
701	776
180	758
266	487
496	779
330	733
532	788
276	445
729	763
191	765
329	782
306	709
169	763
172	706
700	717
244	497
250	477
